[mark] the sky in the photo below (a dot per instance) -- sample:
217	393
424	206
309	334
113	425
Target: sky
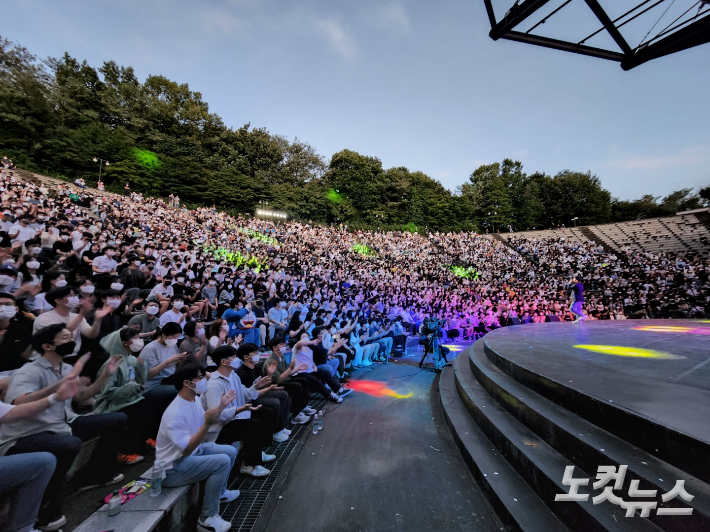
418	84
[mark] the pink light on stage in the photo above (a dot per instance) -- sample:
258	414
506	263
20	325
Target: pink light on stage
376	389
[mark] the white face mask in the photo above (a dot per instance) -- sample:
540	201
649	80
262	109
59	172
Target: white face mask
117	286
177	305
171	341
255	358
200	332
7	312
137	345
5	280
61	283
200	387
152	310
73	301
87	289
110	253
236	363
33	264
137	263
113	303
283	349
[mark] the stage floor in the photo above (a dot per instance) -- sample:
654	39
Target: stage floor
657	369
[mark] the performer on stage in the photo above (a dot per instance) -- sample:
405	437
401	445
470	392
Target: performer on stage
577	299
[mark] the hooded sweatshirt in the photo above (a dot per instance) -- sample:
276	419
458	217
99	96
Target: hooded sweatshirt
119	392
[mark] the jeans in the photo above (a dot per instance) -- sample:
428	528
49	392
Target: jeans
364	353
109	428
23	479
331	366
211	462
385	345
275	331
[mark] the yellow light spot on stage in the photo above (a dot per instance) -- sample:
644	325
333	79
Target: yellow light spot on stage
634	352
454	348
663	328
673	329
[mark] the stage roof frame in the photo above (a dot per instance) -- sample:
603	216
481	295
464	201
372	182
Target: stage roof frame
690	29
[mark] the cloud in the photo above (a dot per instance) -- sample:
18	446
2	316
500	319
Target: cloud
688	156
391	15
339	38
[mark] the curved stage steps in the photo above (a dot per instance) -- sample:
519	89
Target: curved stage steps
517	443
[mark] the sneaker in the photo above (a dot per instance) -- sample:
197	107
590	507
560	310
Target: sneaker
335	398
279	437
51	524
344	391
129	459
229	496
254	471
266	458
309	411
213	524
151	444
115	479
286	432
300	419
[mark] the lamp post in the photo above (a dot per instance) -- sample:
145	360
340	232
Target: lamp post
101	162
575	220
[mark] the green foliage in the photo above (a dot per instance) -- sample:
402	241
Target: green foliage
161	138
333	196
465	273
363	250
146	158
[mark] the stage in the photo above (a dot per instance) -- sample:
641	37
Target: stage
527	401
661	371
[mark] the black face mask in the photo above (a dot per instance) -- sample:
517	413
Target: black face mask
64	350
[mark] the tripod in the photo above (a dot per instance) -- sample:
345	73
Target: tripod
432	346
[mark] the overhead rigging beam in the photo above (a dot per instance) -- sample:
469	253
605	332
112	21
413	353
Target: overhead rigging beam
693	35
491	14
609	25
563	45
517	14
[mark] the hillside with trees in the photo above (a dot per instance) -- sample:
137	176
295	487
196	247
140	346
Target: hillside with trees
56	115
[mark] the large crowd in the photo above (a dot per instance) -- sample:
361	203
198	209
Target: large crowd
192	333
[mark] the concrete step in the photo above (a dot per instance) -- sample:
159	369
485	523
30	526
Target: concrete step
515	502
538	463
582	442
671	446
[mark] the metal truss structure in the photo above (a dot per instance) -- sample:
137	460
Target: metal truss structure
688	30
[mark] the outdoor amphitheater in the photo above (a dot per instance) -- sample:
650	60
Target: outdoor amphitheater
357	266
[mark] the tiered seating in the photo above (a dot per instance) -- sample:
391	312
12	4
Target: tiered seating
570	233
683	233
678	234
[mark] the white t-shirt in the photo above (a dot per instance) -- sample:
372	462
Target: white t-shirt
4	409
180	421
24	234
53	317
